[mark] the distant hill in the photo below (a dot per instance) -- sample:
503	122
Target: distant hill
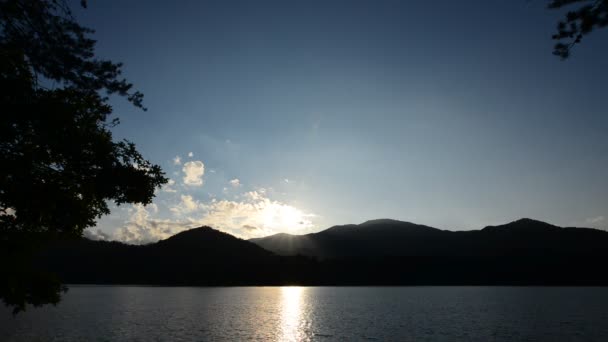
206	242
378	252
384	238
372	238
202	256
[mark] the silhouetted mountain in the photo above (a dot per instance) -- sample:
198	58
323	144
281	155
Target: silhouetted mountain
198	256
206	242
384	238
372	238
378	252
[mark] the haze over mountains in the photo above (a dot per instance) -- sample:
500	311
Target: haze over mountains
378	252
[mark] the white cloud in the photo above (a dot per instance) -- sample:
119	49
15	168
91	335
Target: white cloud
8	212
254	215
235	183
97	234
141	228
256	210
186	205
169	186
595	220
254	196
190	154
193	173
177	160
154	207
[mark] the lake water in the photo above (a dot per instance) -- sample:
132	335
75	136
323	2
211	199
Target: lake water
122	313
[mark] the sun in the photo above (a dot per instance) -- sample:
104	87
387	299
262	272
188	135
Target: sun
290	216
284	217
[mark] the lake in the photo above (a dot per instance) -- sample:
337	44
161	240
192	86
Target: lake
130	313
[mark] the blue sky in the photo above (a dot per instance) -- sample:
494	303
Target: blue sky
453	114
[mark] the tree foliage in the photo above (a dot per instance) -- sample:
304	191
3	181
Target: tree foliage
579	22
60	164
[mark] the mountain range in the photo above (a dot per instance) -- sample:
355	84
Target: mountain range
385	238
377	252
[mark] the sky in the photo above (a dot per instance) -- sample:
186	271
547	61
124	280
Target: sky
293	116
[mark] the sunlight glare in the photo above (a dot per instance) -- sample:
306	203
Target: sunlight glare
284	217
292	322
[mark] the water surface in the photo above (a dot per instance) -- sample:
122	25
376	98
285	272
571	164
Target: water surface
123	313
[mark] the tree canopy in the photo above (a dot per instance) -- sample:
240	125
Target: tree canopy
61	166
578	22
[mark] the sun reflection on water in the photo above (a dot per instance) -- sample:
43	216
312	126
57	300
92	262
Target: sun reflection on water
293	323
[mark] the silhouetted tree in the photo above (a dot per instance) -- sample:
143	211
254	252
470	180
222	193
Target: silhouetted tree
590	15
60	164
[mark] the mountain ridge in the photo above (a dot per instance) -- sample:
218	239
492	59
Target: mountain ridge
378	252
393	237
223	243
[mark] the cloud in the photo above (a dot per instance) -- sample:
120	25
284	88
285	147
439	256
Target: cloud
595	220
8	212
169	186
256	210
190	154
97	234
177	160
235	183
250	228
254	215
255	196
154	207
142	228
186	205
193	173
